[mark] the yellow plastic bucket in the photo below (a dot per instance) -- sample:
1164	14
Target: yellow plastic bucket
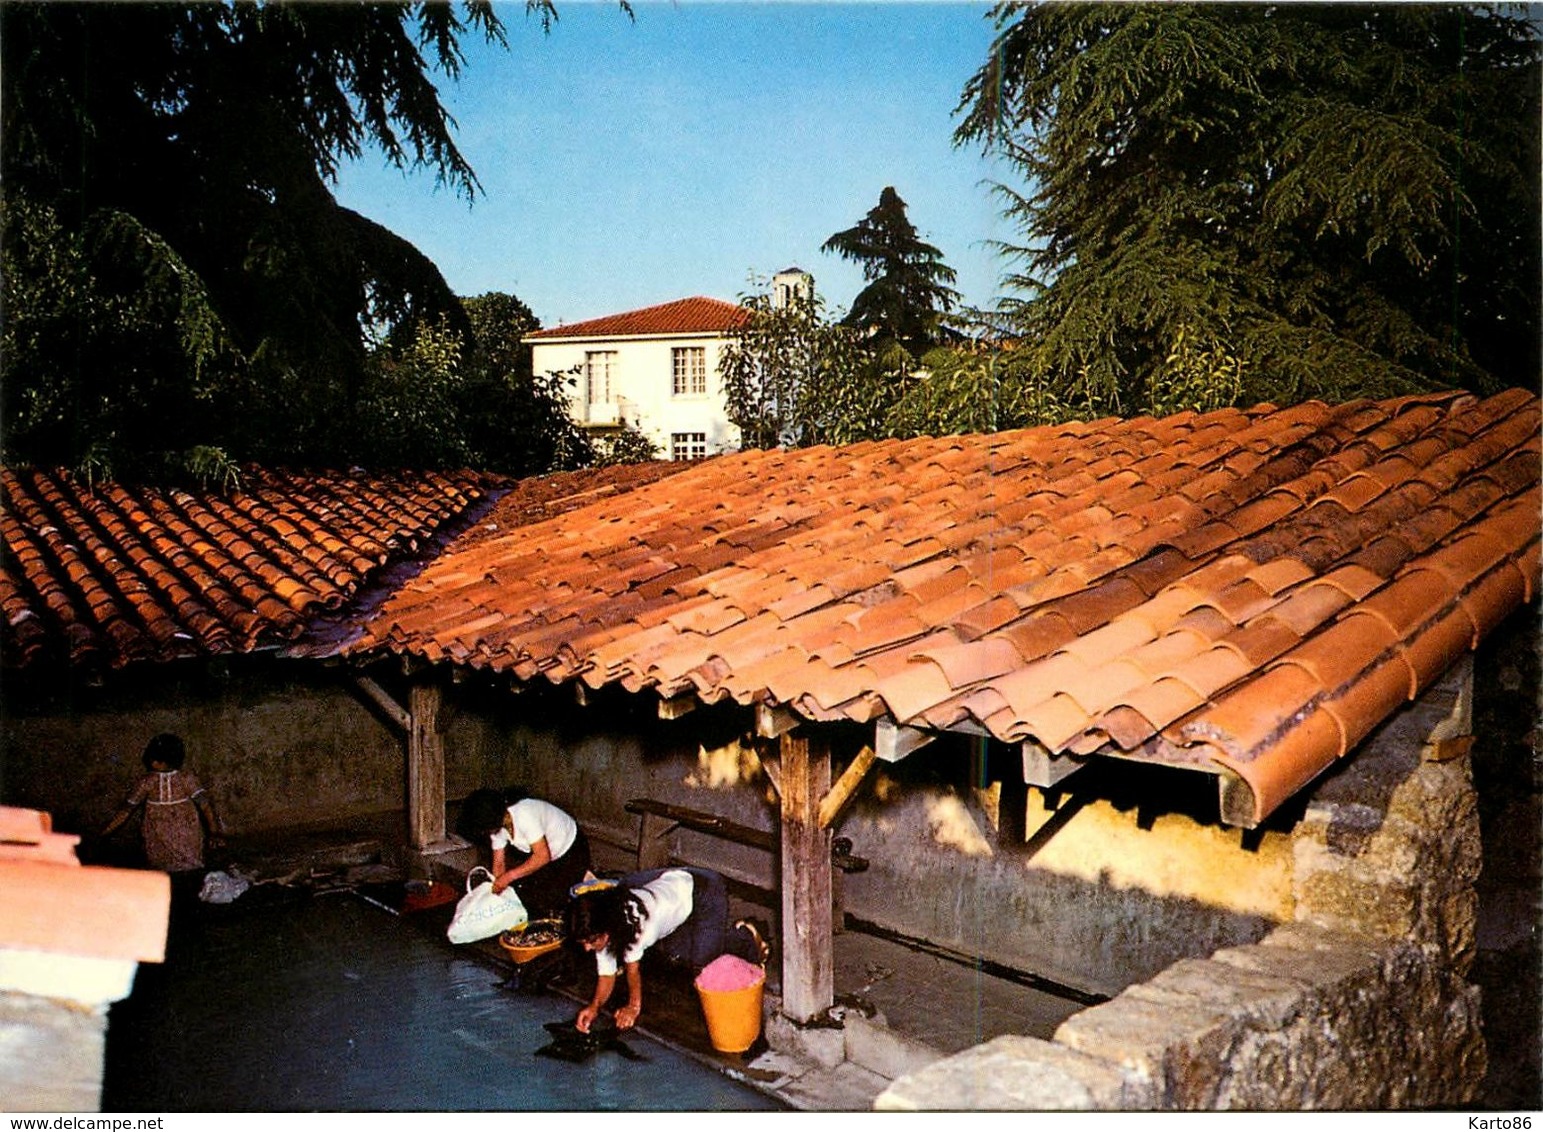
733	1016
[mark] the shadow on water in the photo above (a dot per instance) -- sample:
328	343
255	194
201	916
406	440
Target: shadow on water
327	1004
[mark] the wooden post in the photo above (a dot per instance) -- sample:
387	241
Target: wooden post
808	975
1013	812
425	768
653	841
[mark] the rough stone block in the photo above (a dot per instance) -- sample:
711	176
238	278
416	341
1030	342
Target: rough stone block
1181	1046
1263	1000
1013	1073
1375	1024
1318	959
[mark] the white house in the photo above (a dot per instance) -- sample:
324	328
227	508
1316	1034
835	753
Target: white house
656	369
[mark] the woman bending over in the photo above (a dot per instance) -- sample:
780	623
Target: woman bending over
683	912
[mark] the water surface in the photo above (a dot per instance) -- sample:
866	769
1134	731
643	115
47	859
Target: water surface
328	1004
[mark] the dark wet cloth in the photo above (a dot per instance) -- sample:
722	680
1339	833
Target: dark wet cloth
570	1044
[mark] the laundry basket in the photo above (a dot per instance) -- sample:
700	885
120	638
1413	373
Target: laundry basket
731	992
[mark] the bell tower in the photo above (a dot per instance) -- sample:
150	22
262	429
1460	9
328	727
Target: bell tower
791	285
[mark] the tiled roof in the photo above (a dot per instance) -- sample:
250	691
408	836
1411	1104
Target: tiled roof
683	316
101	576
1247	592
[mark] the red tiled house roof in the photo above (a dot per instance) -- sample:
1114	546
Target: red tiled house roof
696	315
102	576
1243	592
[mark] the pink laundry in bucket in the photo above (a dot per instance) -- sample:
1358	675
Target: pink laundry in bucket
729	973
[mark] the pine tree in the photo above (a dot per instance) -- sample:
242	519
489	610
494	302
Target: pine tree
908	289
1328	200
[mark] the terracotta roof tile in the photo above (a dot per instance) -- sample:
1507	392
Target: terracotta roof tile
695	315
98	576
1239	591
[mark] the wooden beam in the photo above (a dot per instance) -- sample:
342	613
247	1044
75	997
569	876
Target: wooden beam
773	720
1012	811
772	769
892	742
808	968
1042	769
677	706
1237	801
653	841
382	699
425	768
841	793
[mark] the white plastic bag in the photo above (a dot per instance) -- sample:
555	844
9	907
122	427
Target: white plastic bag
482	912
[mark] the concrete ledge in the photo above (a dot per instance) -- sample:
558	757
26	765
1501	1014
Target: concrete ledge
52	1055
874	1046
1016	1074
823	1045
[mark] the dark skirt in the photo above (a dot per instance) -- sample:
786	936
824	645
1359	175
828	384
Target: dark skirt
545	891
707	933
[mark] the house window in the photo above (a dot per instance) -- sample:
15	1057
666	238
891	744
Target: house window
599	369
688	445
690	363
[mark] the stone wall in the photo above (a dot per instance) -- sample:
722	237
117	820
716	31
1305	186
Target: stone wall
1361	1003
278	744
53	1054
1306	1019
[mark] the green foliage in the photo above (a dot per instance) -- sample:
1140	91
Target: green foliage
108	339
907	293
1341	200
468	398
515	421
406	410
786	372
1196	376
213	466
178	277
562	444
973	389
861	383
627	446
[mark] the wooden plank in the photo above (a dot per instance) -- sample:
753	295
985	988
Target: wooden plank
773	770
425	768
1237	801
841	793
892	742
677	706
1013	811
653	841
774	720
382	699
1042	769
704	822
808	970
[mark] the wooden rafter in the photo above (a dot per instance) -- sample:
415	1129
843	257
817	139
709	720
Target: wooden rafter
841	793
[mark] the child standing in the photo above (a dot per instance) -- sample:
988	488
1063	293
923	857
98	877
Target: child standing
177	809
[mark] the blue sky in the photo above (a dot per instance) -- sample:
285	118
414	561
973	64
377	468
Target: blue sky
625	163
